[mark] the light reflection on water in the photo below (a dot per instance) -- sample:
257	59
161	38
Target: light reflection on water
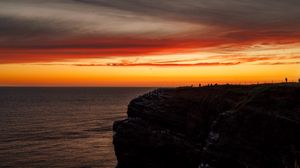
60	127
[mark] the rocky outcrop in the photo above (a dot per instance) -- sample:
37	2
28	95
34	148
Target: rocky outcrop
256	126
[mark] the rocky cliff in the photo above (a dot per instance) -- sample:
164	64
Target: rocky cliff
256	126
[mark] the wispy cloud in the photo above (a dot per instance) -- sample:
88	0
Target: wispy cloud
278	63
31	31
162	64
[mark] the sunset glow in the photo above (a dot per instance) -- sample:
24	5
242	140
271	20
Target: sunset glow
148	43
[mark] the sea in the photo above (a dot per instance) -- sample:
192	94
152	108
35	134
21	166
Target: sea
57	127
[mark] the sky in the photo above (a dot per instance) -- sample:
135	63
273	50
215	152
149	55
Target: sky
148	43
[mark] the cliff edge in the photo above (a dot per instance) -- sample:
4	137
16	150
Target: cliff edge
254	126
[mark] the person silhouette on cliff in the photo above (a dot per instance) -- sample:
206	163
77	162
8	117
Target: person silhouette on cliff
286	80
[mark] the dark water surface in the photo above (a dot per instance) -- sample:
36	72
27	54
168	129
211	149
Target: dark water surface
60	127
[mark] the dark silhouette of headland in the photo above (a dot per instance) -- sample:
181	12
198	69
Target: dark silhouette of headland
221	126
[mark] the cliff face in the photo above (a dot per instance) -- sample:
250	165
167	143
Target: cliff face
254	126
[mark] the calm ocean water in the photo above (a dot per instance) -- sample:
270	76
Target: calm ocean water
61	127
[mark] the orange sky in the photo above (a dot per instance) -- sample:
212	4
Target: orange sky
148	43
69	74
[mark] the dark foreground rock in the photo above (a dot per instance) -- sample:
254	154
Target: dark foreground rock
255	126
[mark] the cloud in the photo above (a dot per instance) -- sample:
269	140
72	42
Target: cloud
27	28
228	12
278	63
62	30
97	47
163	64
